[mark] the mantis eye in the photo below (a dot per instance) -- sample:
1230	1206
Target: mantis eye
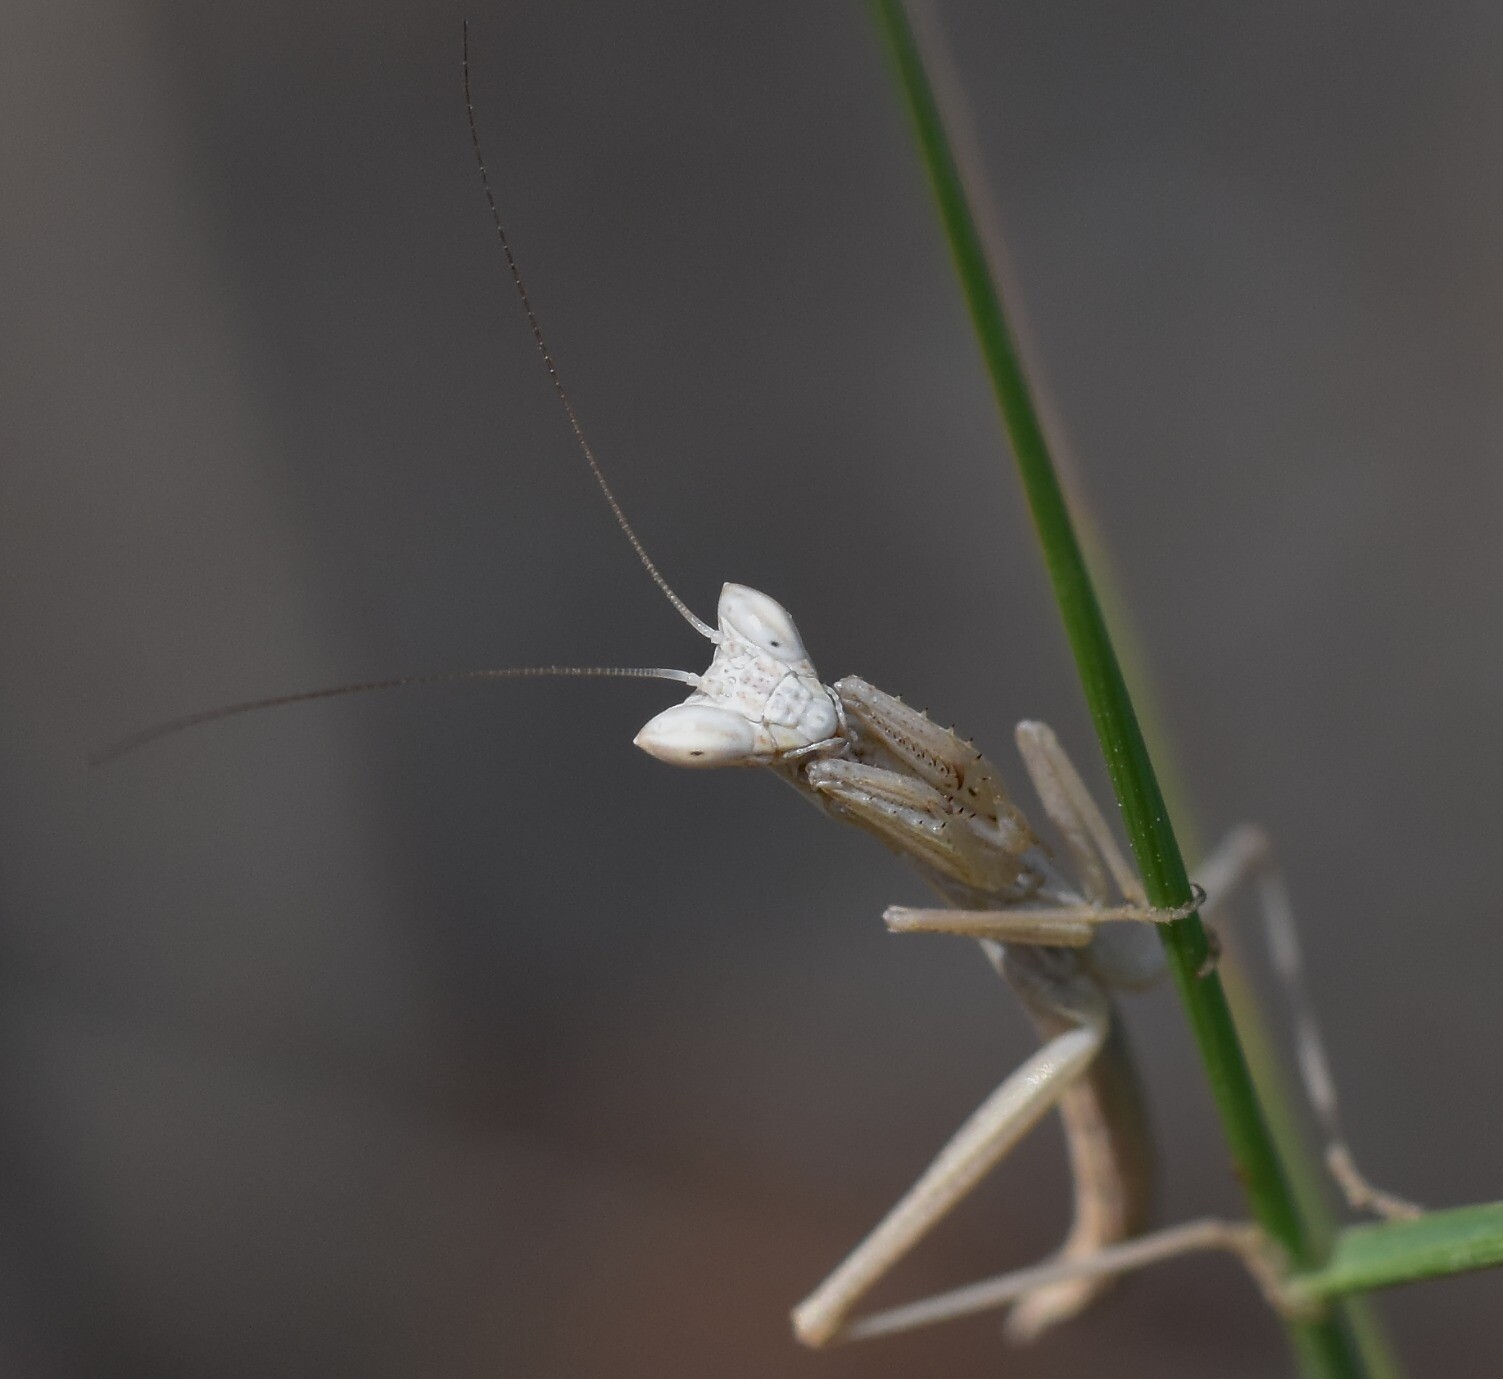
763	621
699	735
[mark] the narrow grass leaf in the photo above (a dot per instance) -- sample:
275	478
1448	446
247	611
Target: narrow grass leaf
1392	1252
1324	1347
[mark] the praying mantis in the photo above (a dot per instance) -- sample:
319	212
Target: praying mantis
1067	928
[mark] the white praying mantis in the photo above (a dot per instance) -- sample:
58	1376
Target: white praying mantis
1066	930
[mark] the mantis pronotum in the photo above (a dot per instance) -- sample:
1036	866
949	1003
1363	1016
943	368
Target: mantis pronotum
1066	932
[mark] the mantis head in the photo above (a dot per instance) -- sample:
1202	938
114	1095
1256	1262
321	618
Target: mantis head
760	700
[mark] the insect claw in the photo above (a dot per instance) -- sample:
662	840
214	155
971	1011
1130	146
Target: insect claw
1213	952
1178	912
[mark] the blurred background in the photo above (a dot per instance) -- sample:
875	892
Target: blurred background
442	1032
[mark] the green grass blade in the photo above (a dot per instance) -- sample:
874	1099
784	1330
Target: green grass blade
1308	1179
1324	1347
1392	1252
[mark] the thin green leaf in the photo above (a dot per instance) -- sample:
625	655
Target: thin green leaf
1324	1347
1392	1252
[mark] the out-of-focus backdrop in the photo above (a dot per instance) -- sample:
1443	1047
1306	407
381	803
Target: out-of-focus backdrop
443	1033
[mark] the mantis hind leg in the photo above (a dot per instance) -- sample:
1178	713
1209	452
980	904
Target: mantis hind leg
1112	1172
976	1148
1242	1238
1103	1244
1245	857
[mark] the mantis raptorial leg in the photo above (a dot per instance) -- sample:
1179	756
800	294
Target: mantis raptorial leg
1104	1191
1095	1092
1065	934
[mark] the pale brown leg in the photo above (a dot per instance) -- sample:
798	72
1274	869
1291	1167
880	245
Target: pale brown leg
1246	856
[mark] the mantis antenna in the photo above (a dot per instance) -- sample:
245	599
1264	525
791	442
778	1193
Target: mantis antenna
193	720
277	701
704	629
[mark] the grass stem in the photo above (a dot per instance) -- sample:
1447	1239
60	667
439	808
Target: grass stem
1324	1347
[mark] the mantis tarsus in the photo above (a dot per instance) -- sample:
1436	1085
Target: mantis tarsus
1065	932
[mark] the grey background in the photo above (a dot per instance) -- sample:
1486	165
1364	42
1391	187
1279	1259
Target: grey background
441	1033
